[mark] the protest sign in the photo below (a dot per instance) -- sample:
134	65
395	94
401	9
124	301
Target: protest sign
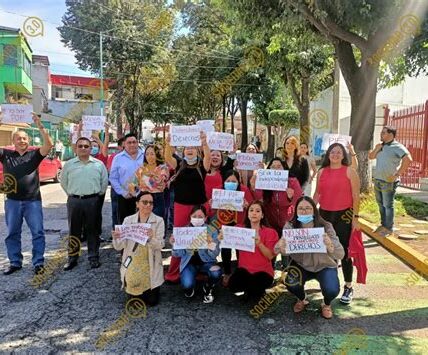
15	113
206	125
220	141
74	136
137	232
270	179
190	237
185	136
304	240
238	238
329	138
93	123
247	161
227	199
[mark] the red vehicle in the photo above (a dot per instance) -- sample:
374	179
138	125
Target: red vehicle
49	168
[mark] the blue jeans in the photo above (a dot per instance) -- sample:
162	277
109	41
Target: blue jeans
328	279
385	193
188	275
114	207
15	212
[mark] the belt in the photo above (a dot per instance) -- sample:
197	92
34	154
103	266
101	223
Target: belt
82	197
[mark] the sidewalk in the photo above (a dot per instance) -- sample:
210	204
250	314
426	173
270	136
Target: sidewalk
415	194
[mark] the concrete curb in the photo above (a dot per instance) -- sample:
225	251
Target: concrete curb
391	243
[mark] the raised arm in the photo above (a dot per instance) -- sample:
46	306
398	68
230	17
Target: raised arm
206	150
373	153
47	140
169	159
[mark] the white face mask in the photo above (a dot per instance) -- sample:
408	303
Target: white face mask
197	222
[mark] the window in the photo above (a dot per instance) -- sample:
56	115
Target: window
27	65
10	55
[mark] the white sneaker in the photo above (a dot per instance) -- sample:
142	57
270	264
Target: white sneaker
208	294
189	293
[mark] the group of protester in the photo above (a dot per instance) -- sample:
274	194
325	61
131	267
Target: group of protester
160	185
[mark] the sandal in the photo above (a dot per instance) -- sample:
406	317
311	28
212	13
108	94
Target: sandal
326	311
300	306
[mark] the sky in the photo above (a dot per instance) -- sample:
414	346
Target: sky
14	13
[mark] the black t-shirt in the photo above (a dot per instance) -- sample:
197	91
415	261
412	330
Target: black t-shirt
24	169
299	170
189	187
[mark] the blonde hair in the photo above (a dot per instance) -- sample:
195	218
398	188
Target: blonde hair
296	143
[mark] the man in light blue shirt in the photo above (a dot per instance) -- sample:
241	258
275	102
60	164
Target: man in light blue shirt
122	173
392	160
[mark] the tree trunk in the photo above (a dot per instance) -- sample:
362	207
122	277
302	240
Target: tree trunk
224	114
271	143
255	126
243	103
232	115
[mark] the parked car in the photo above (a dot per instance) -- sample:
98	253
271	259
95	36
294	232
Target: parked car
49	169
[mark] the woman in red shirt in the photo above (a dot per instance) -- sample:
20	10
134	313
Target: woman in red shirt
255	272
338	193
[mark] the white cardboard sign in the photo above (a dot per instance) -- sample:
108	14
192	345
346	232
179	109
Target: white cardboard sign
206	125
190	237
185	136
220	141
304	240
227	199
15	113
329	138
238	238
270	179
93	123
248	161
137	232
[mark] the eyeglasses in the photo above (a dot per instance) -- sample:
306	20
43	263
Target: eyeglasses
83	146
147	203
305	209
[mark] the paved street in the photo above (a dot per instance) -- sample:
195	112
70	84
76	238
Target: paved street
72	309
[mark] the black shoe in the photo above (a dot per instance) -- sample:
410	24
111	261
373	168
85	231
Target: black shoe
94	264
39	269
71	264
348	293
12	269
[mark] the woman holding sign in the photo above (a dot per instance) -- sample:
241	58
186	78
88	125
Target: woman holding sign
199	260
311	265
338	193
247	174
255	272
214	178
189	188
294	162
141	271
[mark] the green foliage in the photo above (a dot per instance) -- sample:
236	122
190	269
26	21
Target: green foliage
288	117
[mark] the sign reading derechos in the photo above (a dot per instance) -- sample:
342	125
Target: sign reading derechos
238	238
93	123
220	141
185	136
15	113
190	237
270	179
247	161
329	138
229	200
304	240
137	232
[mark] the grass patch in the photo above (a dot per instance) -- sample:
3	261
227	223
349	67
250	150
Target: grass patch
414	208
370	210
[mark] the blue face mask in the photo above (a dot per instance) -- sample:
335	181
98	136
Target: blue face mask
191	161
305	219
94	150
230	186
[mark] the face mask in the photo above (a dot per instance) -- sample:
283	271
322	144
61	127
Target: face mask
305	219
94	150
191	161
197	222
231	186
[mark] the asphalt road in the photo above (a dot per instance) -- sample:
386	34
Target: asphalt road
84	310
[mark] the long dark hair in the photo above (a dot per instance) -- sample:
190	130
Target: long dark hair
318	220
197	208
235	173
326	160
159	158
267	194
263	221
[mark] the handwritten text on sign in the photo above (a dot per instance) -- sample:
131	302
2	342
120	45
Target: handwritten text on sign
86	134
190	237
93	123
328	139
304	240
247	161
14	113
220	141
238	238
206	125
270	179
226	199
185	136
137	232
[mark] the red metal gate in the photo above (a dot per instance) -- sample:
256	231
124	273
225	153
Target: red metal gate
412	131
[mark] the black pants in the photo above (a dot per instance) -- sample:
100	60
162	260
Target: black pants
126	207
226	260
343	228
99	220
82	215
150	297
252	284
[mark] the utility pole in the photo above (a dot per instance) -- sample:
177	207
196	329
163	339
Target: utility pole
101	76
